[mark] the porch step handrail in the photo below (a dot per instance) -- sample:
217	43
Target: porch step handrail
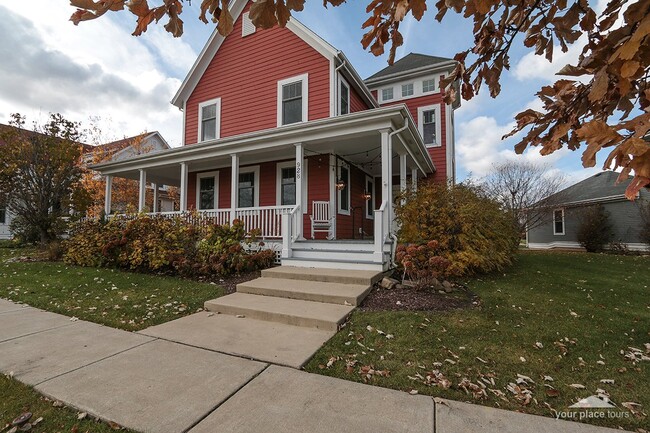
289	230
382	230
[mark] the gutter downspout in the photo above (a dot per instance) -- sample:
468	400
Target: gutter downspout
393	245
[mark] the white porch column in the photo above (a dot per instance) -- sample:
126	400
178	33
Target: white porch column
300	157
414	179
402	174
387	172
107	196
155	197
234	187
183	204
142	190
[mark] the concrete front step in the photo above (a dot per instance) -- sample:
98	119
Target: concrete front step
343	276
288	311
355	264
316	291
346	256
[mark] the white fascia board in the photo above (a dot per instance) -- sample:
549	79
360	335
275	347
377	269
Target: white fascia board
311	38
205	57
439	67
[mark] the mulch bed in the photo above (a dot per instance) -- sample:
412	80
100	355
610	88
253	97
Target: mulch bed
230	283
410	299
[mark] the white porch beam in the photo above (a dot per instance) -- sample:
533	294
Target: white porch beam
108	194
155	198
234	187
300	157
414	179
142	190
183	204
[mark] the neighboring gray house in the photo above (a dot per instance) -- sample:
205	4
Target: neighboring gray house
561	223
5	221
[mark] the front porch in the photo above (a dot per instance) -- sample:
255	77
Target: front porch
304	187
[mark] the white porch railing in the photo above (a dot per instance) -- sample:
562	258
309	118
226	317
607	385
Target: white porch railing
266	219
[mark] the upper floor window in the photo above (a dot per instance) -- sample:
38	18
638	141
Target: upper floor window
292	100
345	98
428	85
558	222
209	119
407	89
248	187
429	124
387	94
207	187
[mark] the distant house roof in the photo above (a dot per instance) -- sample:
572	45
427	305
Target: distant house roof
30	133
598	187
408	63
113	149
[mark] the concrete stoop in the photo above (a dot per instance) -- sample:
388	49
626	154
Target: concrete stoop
305	297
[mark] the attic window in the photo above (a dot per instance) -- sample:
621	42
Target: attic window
247	26
407	89
387	94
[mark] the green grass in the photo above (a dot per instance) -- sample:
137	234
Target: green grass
115	298
16	398
596	305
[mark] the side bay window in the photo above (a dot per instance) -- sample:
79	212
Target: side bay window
293	100
210	120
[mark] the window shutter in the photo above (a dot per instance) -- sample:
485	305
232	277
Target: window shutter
247	27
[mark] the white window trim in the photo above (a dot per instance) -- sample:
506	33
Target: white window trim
217	126
256	184
370	204
421	110
338	106
278	182
340	164
418	90
405	85
304	79
199	176
556	233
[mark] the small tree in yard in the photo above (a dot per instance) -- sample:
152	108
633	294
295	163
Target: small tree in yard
40	176
524	191
472	231
595	230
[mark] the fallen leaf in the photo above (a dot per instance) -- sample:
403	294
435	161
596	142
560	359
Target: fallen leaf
552	392
577	386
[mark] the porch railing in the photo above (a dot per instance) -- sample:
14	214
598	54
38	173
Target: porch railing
266	219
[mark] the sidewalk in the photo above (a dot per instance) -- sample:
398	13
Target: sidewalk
153	385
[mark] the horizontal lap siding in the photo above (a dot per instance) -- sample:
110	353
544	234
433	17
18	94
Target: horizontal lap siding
438	154
244	74
356	103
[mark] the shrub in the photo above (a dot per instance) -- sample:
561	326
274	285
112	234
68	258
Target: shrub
473	233
422	263
595	230
190	247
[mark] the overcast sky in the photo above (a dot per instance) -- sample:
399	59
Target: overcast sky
98	70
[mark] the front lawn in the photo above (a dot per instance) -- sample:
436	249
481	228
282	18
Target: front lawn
48	416
561	321
115	298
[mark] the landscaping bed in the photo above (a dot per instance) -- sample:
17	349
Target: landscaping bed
409	299
553	329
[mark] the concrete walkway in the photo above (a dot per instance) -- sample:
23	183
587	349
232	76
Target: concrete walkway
152	385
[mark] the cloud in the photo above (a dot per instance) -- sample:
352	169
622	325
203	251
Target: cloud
531	66
51	66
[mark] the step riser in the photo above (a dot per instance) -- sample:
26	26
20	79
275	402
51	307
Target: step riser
343	246
314	297
272	317
308	263
275	273
343	256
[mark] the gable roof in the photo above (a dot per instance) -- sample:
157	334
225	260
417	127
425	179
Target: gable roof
115	148
412	62
599	187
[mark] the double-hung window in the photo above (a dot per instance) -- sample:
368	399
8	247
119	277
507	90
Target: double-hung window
207	190
428	85
345	98
558	222
387	94
407	90
292	100
209	119
370	203
429	124
248	187
288	186
344	192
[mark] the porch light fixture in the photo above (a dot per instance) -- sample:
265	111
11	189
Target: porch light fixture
340	184
366	195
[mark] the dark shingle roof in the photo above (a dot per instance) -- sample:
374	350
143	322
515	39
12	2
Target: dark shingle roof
409	62
596	187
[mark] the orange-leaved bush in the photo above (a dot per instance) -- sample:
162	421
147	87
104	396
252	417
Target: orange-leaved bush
471	230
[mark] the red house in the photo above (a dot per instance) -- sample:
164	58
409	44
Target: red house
281	132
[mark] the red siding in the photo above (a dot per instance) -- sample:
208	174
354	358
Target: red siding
244	74
438	154
356	102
